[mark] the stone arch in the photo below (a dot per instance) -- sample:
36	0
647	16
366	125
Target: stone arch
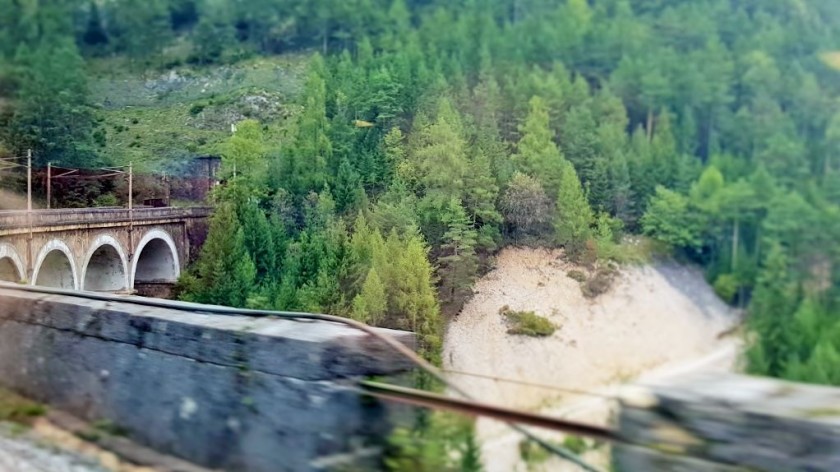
11	265
56	267
156	259
106	266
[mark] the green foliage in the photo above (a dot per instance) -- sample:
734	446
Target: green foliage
447	444
410	118
573	216
527	323
537	155
54	117
726	287
575	444
670	219
224	273
17	409
370	304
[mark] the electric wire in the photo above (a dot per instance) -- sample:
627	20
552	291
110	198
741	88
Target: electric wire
531	384
388	340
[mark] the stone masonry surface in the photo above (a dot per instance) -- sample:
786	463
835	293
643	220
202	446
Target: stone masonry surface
229	392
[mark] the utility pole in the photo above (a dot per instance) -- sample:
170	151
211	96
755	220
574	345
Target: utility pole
168	187
29	180
29	269
49	185
130	212
130	186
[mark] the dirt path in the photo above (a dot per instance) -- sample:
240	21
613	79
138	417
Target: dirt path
655	323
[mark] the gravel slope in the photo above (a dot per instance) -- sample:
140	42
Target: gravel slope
654	319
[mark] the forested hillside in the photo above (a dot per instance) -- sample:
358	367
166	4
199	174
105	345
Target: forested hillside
427	134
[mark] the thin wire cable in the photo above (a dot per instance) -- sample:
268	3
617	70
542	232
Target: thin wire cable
531	384
388	340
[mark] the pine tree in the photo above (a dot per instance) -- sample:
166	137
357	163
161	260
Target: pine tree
573	216
537	155
771	308
370	305
305	161
224	273
54	117
440	155
457	259
349	193
259	241
480	197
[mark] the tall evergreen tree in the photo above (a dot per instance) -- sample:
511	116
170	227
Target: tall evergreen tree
573	216
537	155
224	273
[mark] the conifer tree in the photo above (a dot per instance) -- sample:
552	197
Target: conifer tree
224	273
258	240
573	216
305	162
458	261
370	305
537	155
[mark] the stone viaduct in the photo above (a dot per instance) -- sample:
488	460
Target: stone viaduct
105	250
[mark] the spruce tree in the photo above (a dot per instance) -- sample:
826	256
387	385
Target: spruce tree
573	216
536	154
457	259
224	273
370	305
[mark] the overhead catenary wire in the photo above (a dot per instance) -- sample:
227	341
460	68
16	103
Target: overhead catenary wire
388	340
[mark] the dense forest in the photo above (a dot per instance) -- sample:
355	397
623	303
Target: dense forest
430	133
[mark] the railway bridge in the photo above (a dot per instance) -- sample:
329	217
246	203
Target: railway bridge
140	250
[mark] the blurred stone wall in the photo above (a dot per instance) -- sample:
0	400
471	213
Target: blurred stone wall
227	392
717	422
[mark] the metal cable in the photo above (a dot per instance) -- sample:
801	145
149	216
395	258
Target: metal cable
532	384
391	342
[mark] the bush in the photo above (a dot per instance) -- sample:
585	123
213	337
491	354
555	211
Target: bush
726	287
576	274
600	283
527	323
106	200
575	444
196	108
532	453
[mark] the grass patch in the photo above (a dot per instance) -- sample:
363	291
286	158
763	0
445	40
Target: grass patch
527	323
17	409
532	453
157	119
575	444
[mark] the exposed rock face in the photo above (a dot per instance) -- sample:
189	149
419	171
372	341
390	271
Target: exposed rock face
729	422
223	391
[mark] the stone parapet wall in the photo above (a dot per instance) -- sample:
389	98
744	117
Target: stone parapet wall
227	392
730	423
69	216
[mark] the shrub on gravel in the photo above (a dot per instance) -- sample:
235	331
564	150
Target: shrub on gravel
528	323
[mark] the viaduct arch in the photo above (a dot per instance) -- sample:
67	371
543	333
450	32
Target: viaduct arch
11	265
112	250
